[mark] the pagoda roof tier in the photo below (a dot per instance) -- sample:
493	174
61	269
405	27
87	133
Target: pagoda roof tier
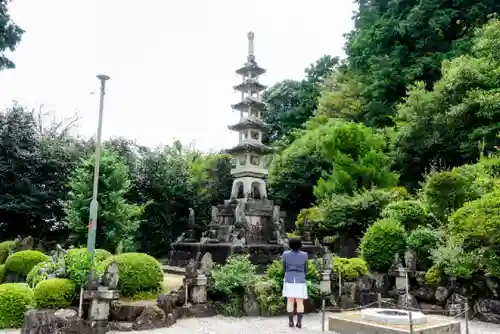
248	123
258	148
251	67
250	85
249	102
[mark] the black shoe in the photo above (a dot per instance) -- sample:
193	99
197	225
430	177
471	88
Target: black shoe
299	320
290	320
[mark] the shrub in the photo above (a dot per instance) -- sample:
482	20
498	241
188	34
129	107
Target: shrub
232	277
15	299
5	248
351	214
446	191
2	272
22	262
434	276
422	240
269	296
473	239
54	293
34	276
410	213
350	269
138	272
381	241
78	263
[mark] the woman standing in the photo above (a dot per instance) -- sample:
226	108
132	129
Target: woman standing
295	284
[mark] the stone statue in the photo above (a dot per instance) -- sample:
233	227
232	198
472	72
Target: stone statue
92	281
191	269
111	276
192	220
327	261
206	263
276	214
239	213
215	215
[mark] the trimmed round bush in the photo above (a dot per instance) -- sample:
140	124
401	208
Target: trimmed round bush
54	293
350	269
138	272
2	272
434	276
5	248
22	262
78	263
15	299
410	213
381	242
422	240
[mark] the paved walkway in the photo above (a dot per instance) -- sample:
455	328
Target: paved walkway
274	325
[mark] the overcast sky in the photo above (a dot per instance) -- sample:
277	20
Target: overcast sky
171	63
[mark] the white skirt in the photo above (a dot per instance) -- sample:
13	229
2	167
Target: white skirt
295	290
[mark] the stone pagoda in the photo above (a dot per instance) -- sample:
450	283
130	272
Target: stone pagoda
250	169
248	222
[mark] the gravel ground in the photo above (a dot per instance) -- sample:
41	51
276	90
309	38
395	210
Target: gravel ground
275	325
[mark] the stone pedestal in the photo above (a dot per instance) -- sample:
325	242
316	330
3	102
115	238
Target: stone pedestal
100	301
199	290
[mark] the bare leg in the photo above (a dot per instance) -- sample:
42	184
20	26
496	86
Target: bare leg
289	309
300	311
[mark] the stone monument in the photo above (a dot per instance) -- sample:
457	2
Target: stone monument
248	222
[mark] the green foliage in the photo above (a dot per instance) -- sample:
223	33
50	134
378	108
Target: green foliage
23	261
329	158
422	241
446	191
396	44
35	276
232	277
118	219
269	297
381	241
434	276
54	293
138	272
410	213
456	121
2	272
15	299
78	263
351	214
474	232
10	36
350	268
5	248
291	103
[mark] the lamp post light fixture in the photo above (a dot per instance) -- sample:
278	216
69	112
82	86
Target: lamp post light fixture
92	227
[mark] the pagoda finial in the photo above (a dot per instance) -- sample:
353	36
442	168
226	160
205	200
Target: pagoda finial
251	57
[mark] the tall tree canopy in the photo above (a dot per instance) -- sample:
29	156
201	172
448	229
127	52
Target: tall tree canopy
10	36
395	43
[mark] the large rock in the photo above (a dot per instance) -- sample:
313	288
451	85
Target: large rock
150	318
128	311
50	322
365	284
441	294
424	293
250	304
487	310
167	302
408	300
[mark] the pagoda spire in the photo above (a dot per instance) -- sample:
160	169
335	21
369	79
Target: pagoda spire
249	167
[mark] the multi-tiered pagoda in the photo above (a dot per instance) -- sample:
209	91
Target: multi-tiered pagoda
250	169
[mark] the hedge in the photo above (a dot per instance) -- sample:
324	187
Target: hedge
54	293
22	262
15	299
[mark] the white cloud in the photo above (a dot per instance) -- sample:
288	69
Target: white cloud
171	62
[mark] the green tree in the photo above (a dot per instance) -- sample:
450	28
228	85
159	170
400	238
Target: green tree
10	36
335	157
118	220
394	44
291	103
457	121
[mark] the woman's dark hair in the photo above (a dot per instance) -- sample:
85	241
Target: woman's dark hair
295	244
